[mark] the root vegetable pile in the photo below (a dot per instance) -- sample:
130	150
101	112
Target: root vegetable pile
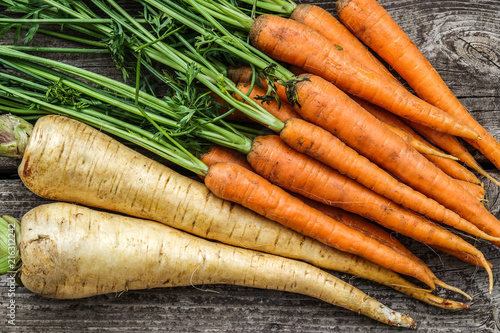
329	153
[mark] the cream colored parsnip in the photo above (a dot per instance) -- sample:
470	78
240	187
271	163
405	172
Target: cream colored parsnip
70	251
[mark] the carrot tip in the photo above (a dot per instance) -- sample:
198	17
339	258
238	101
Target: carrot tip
490	273
446	286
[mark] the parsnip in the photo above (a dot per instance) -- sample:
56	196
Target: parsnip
68	161
69	251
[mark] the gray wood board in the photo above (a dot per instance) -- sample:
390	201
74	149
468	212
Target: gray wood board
461	39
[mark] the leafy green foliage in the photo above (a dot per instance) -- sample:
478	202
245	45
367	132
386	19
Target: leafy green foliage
66	96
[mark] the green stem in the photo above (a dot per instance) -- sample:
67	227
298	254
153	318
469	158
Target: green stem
100	120
72	38
282	7
111	84
55	21
56	49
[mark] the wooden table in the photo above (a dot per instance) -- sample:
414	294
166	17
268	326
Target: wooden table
461	38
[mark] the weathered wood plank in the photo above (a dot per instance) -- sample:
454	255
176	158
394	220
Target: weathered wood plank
7	165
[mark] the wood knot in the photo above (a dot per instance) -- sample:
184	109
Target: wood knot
479	51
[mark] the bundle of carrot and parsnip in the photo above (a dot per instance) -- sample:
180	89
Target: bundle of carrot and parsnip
348	145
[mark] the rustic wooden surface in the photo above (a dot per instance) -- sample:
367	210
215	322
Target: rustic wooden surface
462	40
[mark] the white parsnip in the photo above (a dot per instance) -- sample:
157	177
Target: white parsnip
70	251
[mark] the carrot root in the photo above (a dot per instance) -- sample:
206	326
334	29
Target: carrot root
232	182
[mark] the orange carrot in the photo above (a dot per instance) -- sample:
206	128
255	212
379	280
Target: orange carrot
451	168
274	160
244	74
240	73
420	146
331	109
219	154
454	169
232	182
476	190
222	154
371	23
327	25
304	47
462	175
393	155
359	223
393	167
302	136
453	146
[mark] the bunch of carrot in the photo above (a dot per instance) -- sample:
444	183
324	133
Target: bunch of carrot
333	147
319	101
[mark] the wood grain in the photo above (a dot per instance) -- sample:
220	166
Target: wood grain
462	40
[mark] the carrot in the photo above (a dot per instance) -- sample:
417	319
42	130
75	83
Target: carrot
453	169
476	190
454	147
272	159
359	223
245	72
302	46
222	154
322	21
302	136
77	168
463	176
305	144
237	184
219	154
129	254
240	73
420	146
348	263
329	108
328	26
371	23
